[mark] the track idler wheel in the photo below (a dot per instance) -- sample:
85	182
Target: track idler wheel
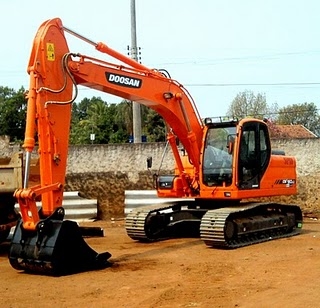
55	248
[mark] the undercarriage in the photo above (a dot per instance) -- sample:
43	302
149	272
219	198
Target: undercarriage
225	227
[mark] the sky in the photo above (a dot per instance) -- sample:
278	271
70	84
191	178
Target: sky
215	49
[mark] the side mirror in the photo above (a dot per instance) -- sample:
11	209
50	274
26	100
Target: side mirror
149	162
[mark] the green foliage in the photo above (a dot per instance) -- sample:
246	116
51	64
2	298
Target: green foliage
154	127
79	111
12	113
111	123
90	117
80	132
123	117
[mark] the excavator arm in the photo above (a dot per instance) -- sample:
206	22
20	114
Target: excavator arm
55	74
48	120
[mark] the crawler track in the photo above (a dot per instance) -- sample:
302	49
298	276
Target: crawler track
252	223
160	222
227	227
135	224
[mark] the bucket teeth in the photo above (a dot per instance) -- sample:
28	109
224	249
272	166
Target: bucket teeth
56	248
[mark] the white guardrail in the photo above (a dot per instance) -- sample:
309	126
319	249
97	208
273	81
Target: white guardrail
139	198
76	208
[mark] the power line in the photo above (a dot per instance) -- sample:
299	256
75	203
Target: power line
241	59
251	84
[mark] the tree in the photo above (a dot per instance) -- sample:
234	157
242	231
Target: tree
12	113
154	127
100	121
305	114
247	104
90	117
124	117
119	133
272	112
109	123
79	110
80	132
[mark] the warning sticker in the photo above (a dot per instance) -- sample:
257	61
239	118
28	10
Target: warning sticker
50	52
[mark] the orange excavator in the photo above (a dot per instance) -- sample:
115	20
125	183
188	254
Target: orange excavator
224	163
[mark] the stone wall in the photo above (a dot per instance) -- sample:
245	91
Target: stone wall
106	171
6	149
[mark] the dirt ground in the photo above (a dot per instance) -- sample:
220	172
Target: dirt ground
178	273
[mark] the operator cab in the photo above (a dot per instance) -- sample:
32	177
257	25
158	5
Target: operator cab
241	147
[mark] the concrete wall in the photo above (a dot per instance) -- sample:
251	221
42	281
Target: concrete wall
106	171
306	152
131	158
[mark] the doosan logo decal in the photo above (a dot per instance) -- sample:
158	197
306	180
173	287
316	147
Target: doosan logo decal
123	80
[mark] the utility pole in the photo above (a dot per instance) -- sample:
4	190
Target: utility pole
136	110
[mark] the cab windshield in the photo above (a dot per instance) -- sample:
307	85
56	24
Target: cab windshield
217	160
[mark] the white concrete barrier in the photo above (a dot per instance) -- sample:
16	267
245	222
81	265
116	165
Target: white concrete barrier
138	198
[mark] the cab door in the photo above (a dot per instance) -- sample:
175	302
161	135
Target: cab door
254	154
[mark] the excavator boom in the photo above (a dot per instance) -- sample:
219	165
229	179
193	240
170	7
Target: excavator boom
55	73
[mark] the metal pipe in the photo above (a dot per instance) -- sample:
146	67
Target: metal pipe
27	170
185	115
79	36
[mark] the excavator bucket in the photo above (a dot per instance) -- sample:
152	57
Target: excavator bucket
55	248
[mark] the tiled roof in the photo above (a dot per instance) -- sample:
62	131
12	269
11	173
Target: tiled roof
290	132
